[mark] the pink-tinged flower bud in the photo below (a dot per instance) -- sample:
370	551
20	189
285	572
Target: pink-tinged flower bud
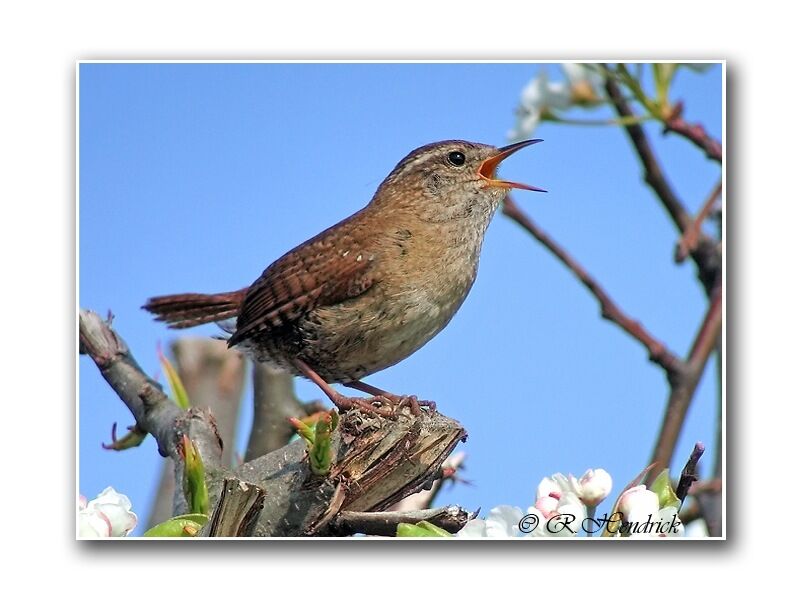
554	486
594	486
638	503
547	505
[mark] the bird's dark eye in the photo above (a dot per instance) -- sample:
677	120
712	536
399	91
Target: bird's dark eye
456	158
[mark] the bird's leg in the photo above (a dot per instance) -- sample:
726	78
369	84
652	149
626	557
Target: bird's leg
399	401
341	402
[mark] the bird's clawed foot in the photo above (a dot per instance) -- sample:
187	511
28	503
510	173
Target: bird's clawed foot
397	402
373	406
414	404
382	403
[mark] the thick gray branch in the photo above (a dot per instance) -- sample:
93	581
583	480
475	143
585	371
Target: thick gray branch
153	411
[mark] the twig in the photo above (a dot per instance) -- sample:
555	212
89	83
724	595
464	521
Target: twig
706	254
688	241
706	338
657	351
694	133
689	473
449	518
682	389
654	176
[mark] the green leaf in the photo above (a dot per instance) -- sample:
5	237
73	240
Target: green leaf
320	454
175	384
317	436
132	439
635	87
194	478
421	529
662	487
180	526
663	74
303	430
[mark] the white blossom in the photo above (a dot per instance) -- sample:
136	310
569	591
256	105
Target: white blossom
502	522
585	83
593	487
562	509
638	503
539	98
108	515
542	98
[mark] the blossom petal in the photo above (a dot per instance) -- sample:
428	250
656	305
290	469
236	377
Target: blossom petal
503	521
112	508
476	528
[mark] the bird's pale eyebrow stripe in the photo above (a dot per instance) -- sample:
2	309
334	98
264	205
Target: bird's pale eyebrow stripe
421	155
411	162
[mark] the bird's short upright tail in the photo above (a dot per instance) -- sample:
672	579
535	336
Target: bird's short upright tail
187	310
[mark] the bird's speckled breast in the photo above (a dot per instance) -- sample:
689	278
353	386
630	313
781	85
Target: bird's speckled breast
401	312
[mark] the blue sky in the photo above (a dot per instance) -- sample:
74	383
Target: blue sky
195	177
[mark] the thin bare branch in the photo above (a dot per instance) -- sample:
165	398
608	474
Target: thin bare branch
449	518
688	241
683	388
706	338
657	350
654	175
706	253
695	133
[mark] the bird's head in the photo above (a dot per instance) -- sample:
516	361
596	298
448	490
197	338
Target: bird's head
449	180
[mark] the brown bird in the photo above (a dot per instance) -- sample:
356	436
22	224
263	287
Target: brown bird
374	288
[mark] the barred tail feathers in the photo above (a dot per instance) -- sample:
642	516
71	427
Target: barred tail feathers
179	311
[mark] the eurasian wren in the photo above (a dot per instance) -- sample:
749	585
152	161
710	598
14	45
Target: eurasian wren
374	288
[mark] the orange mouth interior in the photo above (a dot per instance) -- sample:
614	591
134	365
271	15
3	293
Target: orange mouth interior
488	167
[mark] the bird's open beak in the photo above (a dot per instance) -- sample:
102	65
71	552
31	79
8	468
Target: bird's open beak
489	166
